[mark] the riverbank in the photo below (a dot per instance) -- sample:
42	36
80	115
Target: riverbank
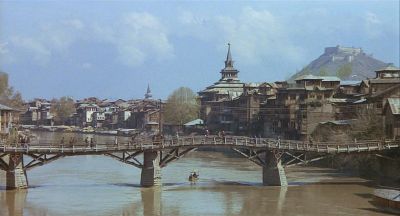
74	129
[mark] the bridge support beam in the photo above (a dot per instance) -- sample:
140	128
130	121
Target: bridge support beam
273	171
151	170
15	173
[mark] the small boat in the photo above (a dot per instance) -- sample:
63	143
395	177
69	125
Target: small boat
388	200
193	176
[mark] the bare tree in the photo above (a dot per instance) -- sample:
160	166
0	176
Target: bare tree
62	109
181	106
8	96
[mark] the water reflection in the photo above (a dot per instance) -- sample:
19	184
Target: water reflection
98	185
14	203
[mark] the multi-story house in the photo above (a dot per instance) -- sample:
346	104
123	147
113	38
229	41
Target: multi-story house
85	113
299	107
38	113
7	118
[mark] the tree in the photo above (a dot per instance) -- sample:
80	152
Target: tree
62	109
181	106
8	96
323	72
344	71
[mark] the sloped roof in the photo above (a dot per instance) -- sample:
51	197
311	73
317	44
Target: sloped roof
339	122
309	77
195	122
394	104
4	107
323	78
388	68
350	83
330	78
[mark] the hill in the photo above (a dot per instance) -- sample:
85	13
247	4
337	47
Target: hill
348	63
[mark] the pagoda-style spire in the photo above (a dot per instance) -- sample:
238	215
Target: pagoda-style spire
229	62
148	92
229	73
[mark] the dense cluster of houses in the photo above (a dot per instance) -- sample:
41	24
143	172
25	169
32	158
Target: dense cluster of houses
89	113
290	110
295	110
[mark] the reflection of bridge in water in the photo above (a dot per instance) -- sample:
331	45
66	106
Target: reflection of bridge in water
271	154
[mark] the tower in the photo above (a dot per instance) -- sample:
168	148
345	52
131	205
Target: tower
229	73
148	92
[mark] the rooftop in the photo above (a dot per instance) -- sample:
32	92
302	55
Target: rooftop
394	104
389	68
323	78
4	107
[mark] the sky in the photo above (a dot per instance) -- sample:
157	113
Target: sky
114	49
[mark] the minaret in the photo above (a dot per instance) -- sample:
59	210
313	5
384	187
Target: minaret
229	73
148	92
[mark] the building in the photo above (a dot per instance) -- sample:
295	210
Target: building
299	107
7	118
85	112
391	115
38	113
99	118
148	94
227	88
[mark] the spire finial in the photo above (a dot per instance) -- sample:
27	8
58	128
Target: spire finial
148	92
229	62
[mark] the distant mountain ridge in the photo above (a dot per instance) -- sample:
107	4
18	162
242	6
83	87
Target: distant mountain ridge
348	63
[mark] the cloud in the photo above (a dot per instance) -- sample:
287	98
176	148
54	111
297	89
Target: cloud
137	37
5	56
33	47
372	25
3	48
59	36
255	35
87	65
51	39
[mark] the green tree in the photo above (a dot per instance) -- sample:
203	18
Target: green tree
344	71
62	109
181	106
323	72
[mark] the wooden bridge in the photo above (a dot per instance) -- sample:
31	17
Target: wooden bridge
271	154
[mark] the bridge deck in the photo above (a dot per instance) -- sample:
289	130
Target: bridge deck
51	147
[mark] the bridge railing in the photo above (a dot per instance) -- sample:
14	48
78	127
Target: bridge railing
197	141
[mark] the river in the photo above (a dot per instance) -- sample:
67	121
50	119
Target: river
99	185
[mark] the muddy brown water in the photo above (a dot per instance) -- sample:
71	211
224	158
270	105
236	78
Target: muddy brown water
99	185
